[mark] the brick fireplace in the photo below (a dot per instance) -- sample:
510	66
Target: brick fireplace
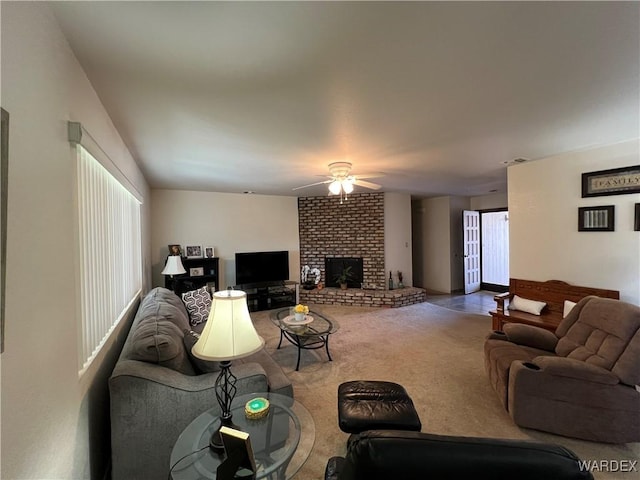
354	229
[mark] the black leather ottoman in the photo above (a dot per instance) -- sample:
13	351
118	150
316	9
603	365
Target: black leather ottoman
374	405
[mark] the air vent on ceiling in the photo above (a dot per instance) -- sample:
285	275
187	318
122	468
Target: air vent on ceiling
514	161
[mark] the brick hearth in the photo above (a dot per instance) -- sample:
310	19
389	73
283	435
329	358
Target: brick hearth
364	298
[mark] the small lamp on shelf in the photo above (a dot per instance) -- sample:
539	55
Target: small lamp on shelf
229	334
173	267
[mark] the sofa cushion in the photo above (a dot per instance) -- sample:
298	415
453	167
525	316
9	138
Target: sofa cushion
166	311
198	303
602	333
530	336
200	365
157	340
498	357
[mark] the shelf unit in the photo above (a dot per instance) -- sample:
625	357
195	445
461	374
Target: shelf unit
186	282
269	295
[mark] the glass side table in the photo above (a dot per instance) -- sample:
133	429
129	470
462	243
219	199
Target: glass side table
281	441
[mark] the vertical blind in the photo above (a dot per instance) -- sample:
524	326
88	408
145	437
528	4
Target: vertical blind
110	252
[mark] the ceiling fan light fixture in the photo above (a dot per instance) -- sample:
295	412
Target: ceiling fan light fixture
335	187
347	186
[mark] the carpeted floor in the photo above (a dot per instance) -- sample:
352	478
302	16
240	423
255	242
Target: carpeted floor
435	353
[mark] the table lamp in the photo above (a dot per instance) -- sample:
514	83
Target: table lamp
173	267
229	334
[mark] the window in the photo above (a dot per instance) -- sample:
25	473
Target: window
110	242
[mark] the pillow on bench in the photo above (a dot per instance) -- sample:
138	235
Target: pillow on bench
526	305
568	305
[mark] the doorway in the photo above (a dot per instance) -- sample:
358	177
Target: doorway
494	251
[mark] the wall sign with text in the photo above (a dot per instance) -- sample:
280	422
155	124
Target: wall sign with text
617	181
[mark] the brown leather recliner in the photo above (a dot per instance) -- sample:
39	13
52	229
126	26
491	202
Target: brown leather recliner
580	382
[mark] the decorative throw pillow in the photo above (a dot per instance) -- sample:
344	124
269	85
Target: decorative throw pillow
526	305
568	305
201	366
198	303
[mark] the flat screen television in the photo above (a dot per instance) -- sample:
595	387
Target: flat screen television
259	267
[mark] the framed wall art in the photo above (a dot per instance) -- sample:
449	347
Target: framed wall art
616	181
196	272
636	223
596	219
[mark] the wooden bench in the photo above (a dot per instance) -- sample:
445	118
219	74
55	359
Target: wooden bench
552	292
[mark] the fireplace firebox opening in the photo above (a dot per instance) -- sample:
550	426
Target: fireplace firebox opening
333	267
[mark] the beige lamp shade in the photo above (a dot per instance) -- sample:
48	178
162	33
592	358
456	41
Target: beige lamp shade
173	266
229	332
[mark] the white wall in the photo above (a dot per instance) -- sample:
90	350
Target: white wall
228	222
545	244
488	202
53	423
438	243
434	220
397	237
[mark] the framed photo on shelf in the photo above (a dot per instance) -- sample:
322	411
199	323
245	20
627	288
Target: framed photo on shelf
596	219
193	251
175	250
209	252
196	272
616	181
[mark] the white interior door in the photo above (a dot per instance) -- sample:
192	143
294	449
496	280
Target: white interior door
471	228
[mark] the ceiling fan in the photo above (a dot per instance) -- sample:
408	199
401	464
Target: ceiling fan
341	182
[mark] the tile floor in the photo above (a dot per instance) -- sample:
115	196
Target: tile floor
479	302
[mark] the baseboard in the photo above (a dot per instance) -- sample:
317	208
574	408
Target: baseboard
492	287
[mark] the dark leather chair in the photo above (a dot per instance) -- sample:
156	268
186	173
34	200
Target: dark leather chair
394	454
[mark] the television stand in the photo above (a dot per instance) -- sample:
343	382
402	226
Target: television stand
270	295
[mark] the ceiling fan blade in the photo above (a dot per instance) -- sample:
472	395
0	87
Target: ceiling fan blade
369	175
365	184
313	184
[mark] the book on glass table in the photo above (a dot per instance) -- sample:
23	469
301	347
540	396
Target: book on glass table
239	462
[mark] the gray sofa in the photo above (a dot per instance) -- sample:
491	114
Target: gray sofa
156	389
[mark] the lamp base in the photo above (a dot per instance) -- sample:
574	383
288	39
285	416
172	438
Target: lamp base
225	388
215	442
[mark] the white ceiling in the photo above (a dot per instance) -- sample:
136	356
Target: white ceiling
262	96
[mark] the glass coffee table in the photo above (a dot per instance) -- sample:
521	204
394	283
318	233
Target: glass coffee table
281	441
309	334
